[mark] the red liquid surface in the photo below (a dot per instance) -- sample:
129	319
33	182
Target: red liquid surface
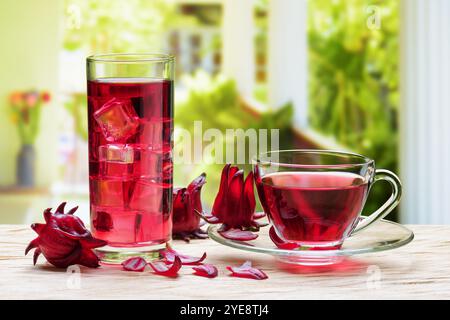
130	164
313	208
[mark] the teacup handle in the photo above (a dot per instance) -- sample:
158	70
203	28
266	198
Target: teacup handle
389	205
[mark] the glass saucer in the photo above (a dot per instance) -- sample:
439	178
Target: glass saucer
382	235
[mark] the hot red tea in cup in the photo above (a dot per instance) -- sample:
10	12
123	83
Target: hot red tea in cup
314	198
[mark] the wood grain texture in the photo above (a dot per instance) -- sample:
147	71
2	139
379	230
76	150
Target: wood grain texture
420	270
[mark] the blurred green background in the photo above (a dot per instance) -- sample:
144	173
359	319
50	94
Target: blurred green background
352	88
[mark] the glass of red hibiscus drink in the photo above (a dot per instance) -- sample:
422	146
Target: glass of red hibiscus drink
130	115
314	198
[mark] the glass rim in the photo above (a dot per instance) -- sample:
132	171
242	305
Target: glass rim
130	57
364	160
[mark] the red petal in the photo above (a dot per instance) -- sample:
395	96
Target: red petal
73	226
248	202
89	259
197	183
231	172
206	270
38	227
170	255
220	202
247	271
60	208
36	254
74	235
161	268
208	217
250	192
136	264
238	234
179	194
235	191
31	245
180	207
259	215
72	211
70	259
194	190
186	200
281	243
91	242
47	215
236	186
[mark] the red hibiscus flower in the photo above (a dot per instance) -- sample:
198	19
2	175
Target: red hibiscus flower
234	205
64	240
186	223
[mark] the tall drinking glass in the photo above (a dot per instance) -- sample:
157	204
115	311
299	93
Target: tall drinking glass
130	114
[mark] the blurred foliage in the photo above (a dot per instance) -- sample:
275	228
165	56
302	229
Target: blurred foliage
214	101
117	26
354	78
260	92
77	106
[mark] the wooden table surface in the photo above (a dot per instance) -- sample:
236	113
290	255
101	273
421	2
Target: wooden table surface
419	270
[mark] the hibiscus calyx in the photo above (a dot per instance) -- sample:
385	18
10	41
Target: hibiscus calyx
186	201
234	206
64	240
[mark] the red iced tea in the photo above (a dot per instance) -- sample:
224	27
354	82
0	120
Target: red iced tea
130	162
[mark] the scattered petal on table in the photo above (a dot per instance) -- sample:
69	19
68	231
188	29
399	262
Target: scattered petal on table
136	264
206	270
247	271
169	256
163	269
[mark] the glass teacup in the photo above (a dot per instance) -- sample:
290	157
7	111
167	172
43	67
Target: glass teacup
314	198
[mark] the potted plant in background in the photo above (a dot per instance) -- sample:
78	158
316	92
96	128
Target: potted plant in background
26	110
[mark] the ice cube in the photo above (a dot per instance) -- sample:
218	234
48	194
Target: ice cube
154	200
117	119
120	226
156	132
151	165
151	133
153	227
122	153
132	161
108	192
116	160
147	196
